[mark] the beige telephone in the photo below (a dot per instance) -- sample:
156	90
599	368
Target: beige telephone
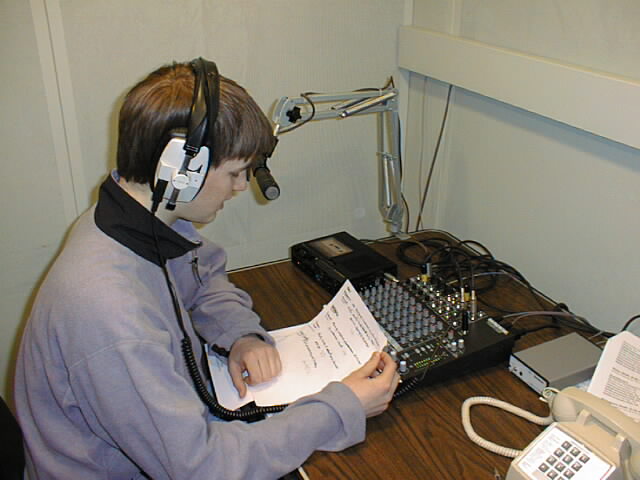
587	439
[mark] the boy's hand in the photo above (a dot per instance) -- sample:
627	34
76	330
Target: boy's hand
252	361
374	383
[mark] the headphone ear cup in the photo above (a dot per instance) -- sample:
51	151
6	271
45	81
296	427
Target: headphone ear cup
184	161
187	184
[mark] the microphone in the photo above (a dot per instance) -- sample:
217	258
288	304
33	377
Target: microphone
268	186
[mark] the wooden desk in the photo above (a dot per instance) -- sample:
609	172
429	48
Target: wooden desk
421	435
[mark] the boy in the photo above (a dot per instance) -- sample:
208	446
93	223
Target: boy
102	388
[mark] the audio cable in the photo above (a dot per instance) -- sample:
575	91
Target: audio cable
629	322
246	414
452	262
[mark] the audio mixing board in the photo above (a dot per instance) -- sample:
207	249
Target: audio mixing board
433	332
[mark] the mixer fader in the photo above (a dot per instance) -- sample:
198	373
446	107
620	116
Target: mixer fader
434	332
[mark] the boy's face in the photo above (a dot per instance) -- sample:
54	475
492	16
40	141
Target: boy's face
220	185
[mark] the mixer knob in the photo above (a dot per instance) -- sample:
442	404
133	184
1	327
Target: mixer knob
402	368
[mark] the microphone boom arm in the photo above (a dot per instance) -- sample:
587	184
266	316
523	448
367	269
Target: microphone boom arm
293	112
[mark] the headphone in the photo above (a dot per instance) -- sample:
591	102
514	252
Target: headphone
185	160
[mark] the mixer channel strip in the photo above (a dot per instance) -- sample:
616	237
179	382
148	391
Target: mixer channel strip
434	332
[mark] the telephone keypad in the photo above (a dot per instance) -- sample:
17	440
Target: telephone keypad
557	455
566	460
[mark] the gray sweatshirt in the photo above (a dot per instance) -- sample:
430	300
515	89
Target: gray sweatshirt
102	391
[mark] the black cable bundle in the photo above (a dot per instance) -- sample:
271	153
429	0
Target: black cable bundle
469	264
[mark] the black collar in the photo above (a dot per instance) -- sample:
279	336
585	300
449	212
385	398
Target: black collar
122	218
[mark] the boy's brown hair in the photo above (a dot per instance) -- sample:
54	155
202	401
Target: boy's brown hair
161	103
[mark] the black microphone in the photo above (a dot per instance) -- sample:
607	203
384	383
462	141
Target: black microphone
266	182
268	186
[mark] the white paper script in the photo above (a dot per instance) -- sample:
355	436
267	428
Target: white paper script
337	341
617	376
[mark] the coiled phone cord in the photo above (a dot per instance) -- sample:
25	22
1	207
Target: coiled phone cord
492	402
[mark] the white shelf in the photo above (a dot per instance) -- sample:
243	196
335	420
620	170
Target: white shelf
601	103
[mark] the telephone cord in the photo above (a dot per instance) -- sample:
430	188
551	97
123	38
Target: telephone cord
492	402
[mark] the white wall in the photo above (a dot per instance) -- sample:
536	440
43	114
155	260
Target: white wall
558	203
67	63
33	216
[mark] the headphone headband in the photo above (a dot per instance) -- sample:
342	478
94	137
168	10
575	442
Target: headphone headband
204	107
186	158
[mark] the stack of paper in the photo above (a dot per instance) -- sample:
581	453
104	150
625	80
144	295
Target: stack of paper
337	341
617	375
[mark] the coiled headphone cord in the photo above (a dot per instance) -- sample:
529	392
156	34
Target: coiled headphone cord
248	414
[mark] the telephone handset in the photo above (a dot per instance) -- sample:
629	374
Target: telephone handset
586	439
590	439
